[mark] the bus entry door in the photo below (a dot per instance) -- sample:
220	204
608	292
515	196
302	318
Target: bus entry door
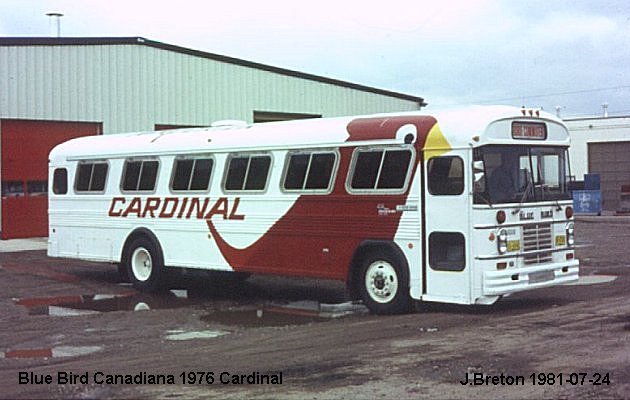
447	219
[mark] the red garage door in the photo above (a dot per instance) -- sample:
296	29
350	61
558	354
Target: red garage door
25	146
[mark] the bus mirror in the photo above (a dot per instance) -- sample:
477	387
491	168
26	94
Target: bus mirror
479	176
478	167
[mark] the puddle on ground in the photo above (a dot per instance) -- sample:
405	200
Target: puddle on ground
52	352
296	313
189	335
68	306
592	280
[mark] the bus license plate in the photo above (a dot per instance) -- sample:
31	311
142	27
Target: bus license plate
542	276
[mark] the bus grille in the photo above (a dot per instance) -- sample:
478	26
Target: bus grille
537	237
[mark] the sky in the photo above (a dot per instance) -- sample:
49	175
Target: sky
572	55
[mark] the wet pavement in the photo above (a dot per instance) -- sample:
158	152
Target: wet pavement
65	306
74	316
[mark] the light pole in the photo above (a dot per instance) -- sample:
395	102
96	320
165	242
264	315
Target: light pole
57	16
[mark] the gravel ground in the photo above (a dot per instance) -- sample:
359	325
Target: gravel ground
74	320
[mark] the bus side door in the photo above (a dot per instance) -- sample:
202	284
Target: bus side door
447	220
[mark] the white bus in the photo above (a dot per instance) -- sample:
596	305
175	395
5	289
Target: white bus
461	206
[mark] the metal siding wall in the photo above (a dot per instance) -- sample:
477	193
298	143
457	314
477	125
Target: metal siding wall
134	87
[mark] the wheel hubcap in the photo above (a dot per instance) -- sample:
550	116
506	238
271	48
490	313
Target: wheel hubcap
381	281
141	264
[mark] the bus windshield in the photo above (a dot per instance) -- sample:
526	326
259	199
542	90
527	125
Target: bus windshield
520	174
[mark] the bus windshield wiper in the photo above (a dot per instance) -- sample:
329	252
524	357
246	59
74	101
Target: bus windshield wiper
482	197
544	188
528	187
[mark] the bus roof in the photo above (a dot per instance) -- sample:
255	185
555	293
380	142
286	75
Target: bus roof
458	125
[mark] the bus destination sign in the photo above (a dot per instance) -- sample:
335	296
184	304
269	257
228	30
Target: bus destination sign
529	130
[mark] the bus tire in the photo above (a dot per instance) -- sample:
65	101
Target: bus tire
384	284
145	264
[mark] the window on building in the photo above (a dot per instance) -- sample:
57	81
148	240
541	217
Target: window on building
140	175
446	175
91	176
192	174
37	188
270	116
247	172
60	181
309	171
12	188
381	169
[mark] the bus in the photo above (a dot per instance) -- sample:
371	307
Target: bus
457	206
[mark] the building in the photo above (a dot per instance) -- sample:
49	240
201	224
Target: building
601	145
54	89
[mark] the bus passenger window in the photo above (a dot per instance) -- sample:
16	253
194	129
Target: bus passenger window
257	173
91	177
192	174
247	173
296	172
309	172
447	251
446	175
201	174
321	171
140	176
60	181
394	170
381	169
366	169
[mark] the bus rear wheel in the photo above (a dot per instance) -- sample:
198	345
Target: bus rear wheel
145	265
384	285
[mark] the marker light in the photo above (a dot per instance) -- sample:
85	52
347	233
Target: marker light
500	216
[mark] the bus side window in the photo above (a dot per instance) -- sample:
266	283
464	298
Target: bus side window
91	176
381	169
309	172
60	181
447	251
248	172
446	175
192	174
140	175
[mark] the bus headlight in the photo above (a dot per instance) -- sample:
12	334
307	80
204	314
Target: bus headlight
570	234
502	241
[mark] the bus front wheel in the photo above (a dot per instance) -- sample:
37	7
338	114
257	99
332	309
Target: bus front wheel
384	285
145	265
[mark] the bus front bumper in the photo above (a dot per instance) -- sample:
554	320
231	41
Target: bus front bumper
496	283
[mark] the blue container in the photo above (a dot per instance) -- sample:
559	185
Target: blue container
587	202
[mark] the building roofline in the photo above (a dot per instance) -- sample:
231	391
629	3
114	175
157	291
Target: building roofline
136	40
595	118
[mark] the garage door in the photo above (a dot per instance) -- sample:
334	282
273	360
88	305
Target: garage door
611	161
25	146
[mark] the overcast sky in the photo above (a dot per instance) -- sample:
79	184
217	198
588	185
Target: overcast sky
540	53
